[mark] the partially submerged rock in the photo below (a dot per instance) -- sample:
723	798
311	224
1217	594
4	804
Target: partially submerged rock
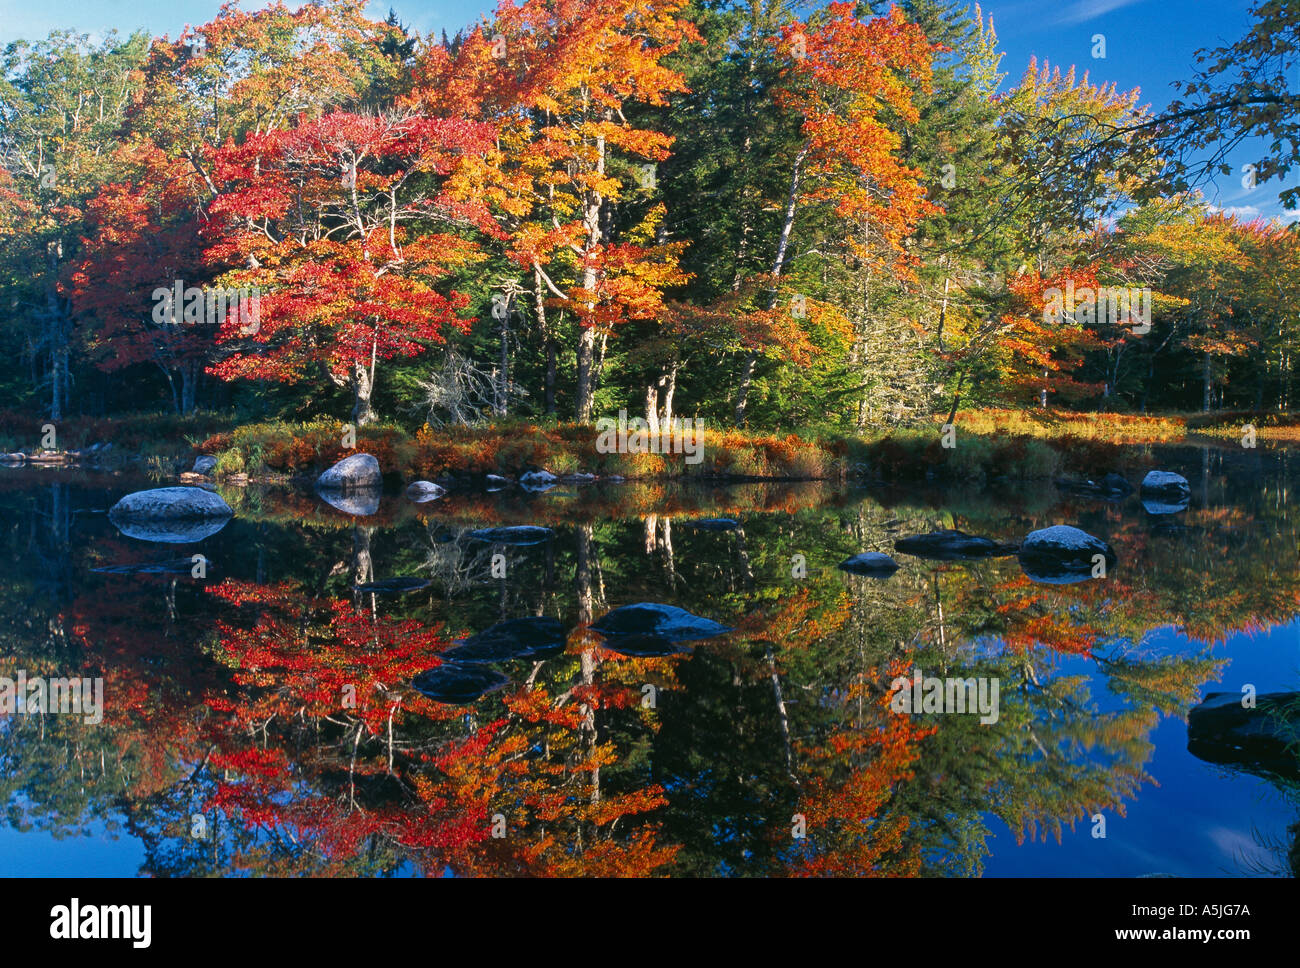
951	545
205	465
356	473
871	563
421	492
1169	487
161	503
458	684
518	638
538	481
171	515
1164	492
1111	487
633	623
523	534
1261	740
1062	555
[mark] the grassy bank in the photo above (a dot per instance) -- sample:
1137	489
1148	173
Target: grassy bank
985	446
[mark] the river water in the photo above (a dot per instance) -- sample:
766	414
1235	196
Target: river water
261	714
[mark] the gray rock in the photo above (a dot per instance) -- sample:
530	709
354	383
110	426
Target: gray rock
538	480
171	515
1110	487
952	545
661	622
458	684
1260	739
205	465
1167	485
1062	555
356	473
517	638
423	491
170	504
871	563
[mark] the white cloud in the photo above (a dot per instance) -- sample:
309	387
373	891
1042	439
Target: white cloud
1086	10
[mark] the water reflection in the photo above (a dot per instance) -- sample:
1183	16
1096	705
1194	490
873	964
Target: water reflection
644	680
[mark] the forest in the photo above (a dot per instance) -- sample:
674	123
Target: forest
847	223
909	299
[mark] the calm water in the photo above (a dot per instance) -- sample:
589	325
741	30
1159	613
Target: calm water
262	719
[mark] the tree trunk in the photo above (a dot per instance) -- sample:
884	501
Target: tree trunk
57	332
586	360
539	302
669	383
783	245
1205	384
652	408
587	333
362	387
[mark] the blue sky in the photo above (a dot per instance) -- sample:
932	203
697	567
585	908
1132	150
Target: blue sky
1149	43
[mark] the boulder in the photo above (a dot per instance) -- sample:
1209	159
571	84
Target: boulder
495	482
518	638
421	492
204	465
1261	740
871	563
632	623
458	684
170	504
1062	555
950	545
538	481
1171	488
356	473
1111	487
172	515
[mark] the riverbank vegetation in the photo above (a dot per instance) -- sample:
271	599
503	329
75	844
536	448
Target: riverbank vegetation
826	237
